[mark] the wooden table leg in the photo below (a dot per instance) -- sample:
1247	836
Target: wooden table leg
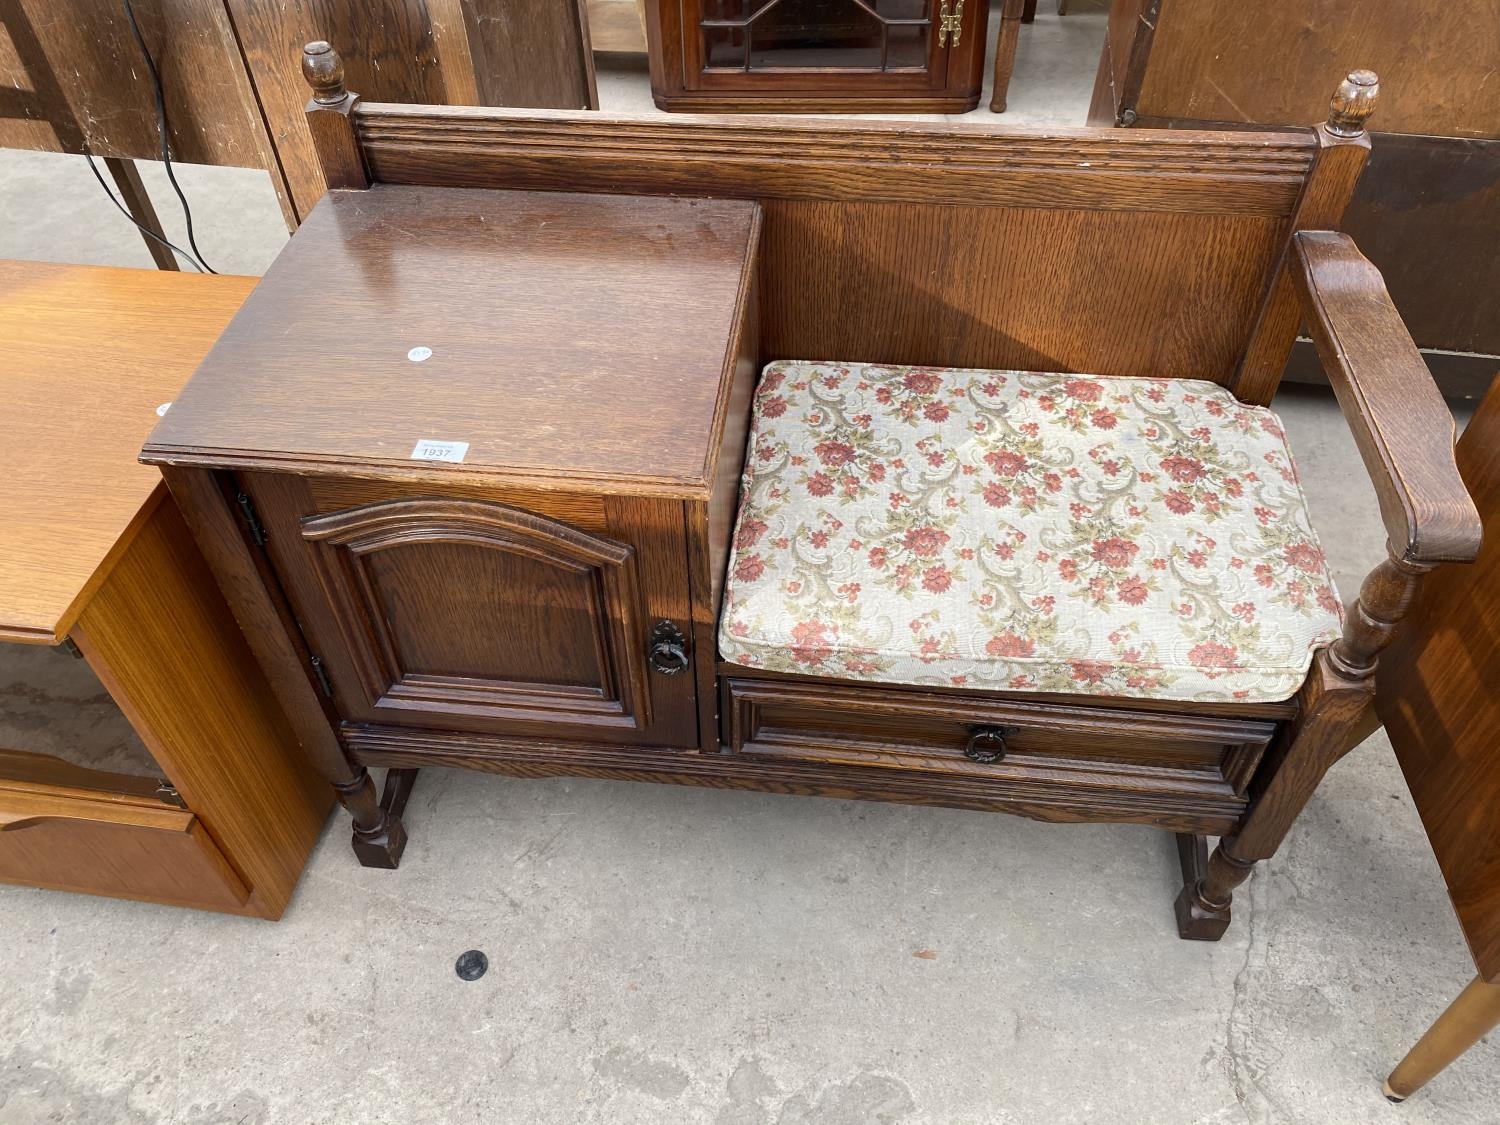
1468	1019
138	203
1007	40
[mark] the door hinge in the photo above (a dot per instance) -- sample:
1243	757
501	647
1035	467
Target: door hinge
167	793
322	674
951	23
70	646
252	520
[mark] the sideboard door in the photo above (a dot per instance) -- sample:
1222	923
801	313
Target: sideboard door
468	614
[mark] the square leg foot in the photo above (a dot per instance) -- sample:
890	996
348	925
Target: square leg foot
384	850
1194	921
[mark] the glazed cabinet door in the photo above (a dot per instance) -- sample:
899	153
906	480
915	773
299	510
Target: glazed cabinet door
525	615
836	46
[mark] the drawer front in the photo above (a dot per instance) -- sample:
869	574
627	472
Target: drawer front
112	844
1117	764
500	614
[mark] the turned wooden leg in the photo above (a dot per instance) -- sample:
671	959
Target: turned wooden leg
1007	40
379	835
1199	919
1468	1019
1333	708
1334	714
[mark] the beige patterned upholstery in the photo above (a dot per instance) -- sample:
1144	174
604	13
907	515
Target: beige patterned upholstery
1027	532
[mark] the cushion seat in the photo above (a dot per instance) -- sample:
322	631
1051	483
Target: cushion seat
1023	531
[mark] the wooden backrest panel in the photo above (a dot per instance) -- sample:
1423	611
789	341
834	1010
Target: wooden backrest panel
1078	250
1108	292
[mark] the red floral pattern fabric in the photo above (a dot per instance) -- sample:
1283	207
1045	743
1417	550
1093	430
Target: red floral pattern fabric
1023	531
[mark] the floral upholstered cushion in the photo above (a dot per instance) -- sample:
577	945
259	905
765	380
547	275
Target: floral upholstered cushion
1018	531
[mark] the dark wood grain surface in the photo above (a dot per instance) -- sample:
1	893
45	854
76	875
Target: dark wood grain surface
455	52
1427	211
1439	696
910	244
84	61
530	53
499	286
1433	182
1208	61
1401	424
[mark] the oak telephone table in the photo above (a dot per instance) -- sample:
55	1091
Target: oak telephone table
468	463
214	806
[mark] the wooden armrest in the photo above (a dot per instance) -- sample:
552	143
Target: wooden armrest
1403	427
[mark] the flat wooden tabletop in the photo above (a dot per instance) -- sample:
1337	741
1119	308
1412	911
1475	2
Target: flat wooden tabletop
551	337
87	354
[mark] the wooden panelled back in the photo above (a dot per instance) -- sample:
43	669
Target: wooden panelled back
1078	250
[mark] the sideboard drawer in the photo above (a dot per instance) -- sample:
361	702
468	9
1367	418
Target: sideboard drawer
124	845
1139	763
513	613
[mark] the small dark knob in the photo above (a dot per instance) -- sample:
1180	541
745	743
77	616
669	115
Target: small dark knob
987	744
668	649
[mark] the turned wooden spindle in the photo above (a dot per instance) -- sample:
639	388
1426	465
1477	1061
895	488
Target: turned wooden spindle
330	118
1353	102
324	71
379	835
1384	598
1333	704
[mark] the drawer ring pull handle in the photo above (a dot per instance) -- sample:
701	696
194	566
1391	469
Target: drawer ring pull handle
987	744
668	653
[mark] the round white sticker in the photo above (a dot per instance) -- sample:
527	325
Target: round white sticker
161	411
419	353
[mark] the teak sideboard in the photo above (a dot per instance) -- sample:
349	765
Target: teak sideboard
467	463
206	800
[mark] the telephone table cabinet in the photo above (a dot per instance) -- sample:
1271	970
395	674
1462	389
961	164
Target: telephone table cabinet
469	524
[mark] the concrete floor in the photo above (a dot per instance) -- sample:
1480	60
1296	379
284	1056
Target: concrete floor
677	955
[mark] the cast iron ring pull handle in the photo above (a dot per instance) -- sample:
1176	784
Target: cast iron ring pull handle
987	744
668	650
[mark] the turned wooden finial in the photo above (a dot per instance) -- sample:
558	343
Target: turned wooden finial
324	71
1353	102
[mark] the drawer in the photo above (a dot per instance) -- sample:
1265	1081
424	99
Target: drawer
117	840
512	614
1066	761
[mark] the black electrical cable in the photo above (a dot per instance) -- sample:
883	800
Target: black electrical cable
161	127
147	231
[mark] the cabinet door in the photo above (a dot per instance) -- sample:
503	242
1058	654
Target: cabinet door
476	614
830	46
